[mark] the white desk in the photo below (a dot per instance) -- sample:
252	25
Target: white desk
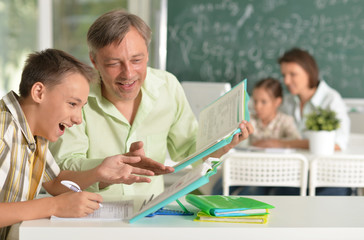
293	218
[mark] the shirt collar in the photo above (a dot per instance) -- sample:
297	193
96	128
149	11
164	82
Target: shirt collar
12	104
318	96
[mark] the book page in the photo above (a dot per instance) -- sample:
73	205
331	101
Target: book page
109	211
221	117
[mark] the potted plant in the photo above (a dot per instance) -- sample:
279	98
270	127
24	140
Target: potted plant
321	125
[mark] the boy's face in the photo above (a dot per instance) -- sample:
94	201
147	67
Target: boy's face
61	106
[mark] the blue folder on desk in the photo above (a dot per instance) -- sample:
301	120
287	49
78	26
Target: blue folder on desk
194	179
232	108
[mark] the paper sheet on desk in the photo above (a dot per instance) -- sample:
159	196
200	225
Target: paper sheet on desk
109	211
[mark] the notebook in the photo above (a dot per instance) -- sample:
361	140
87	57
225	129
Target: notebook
218	123
217	205
203	217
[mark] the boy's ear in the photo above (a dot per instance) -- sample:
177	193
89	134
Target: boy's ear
37	92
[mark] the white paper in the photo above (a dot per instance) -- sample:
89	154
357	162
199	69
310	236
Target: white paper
109	211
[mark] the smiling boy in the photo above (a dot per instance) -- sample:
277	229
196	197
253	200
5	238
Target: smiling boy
53	89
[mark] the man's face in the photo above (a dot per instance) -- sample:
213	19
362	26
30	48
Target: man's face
61	107
123	67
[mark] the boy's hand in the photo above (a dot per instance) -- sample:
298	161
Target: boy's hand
136	149
76	204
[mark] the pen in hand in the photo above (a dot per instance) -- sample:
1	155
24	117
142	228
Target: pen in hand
73	186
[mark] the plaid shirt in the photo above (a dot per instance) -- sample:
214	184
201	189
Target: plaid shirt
25	161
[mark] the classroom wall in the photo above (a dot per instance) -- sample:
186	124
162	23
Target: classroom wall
229	40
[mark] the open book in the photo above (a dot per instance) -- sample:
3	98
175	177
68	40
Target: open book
218	123
194	179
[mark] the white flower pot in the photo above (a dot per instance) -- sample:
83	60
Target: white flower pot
321	142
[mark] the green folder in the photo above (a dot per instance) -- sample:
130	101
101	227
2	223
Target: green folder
217	205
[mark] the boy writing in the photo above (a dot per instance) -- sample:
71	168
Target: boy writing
53	89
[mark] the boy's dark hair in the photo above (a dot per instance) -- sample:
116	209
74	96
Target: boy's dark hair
271	85
306	61
50	67
113	26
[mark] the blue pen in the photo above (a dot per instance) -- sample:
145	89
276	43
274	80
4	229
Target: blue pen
73	186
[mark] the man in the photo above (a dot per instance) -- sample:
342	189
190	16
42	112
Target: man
131	103
53	89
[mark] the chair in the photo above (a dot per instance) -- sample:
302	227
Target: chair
265	169
341	170
200	94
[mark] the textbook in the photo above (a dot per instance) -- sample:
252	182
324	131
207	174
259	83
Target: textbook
218	123
194	179
217	205
203	217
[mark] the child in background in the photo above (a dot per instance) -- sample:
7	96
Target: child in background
268	122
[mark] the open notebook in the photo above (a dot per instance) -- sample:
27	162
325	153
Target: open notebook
218	123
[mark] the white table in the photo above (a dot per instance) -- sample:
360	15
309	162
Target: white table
294	217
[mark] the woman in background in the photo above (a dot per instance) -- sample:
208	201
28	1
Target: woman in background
307	93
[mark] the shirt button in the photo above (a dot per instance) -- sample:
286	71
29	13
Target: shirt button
32	147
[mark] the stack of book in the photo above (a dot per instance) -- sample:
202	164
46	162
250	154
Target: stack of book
233	209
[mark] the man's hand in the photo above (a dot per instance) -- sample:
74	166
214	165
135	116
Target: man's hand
246	129
119	169
136	149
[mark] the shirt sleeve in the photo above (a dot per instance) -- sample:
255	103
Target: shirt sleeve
342	133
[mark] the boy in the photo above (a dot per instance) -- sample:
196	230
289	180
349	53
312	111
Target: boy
53	89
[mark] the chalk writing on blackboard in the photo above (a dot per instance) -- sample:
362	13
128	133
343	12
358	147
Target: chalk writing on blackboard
228	40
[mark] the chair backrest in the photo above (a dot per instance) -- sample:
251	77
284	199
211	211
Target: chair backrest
265	169
200	94
339	170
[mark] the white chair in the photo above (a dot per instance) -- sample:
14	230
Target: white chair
200	94
265	169
339	170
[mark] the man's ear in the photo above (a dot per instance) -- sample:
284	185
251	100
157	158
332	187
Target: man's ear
92	60
37	92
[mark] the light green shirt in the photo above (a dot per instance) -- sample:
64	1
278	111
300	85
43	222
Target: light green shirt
164	120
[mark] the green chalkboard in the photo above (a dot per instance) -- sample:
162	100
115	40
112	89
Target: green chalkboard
229	40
